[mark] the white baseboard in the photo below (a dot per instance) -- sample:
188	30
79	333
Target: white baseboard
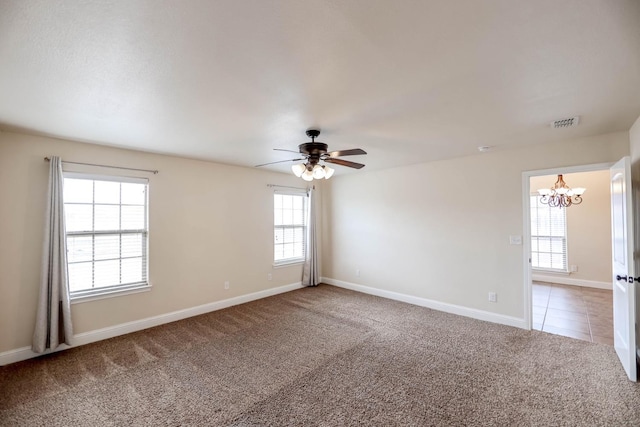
435	305
25	353
563	280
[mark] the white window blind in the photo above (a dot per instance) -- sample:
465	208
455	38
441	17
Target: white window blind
548	236
290	228
106	226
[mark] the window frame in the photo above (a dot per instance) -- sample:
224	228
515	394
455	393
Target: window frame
90	294
564	237
305	200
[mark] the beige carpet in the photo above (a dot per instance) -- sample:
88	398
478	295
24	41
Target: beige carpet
323	356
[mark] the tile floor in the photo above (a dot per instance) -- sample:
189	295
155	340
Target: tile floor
573	311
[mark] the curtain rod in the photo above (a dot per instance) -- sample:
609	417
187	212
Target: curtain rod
287	186
155	172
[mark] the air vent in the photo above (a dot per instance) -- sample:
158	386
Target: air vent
566	123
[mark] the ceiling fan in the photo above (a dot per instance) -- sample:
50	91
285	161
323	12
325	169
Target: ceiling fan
313	153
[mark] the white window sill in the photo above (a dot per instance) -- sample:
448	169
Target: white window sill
109	293
288	263
551	272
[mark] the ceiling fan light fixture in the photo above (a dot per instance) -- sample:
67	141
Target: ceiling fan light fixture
307	175
298	169
328	172
314	155
318	172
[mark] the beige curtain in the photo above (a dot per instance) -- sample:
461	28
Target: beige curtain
53	317
310	275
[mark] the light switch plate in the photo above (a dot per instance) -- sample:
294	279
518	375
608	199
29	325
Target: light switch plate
515	240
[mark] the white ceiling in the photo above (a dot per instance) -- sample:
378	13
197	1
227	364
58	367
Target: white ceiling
408	81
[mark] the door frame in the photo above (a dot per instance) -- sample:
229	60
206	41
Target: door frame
526	215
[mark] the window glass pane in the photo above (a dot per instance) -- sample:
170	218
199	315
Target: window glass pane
544	245
289	229
107	192
132	245
78	217
557	246
548	236
78	190
287	216
288	235
94	260
277	217
278	252
133	217
557	261
107	247
132	270
288	250
107	217
278	236
544	260
106	273
544	227
287	202
298	250
297	202
79	248
80	276
133	194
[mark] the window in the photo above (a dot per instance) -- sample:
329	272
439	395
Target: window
106	226
548	236
290	227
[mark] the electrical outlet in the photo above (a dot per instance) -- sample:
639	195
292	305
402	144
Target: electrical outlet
493	297
574	269
269	276
226	284
358	272
515	240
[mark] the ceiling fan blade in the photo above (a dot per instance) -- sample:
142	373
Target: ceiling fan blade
279	161
344	163
284	149
352	152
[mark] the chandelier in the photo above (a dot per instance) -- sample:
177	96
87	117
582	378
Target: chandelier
311	170
561	195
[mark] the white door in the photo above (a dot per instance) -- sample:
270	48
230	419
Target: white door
624	314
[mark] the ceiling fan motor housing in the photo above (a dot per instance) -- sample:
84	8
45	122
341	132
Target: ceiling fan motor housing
314	150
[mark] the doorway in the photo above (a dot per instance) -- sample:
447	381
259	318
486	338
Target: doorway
568	256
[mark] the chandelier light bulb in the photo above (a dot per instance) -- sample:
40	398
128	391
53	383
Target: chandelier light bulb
318	172
298	169
328	172
307	175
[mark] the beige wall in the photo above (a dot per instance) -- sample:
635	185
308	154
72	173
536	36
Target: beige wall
208	223
441	230
588	225
438	230
634	141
